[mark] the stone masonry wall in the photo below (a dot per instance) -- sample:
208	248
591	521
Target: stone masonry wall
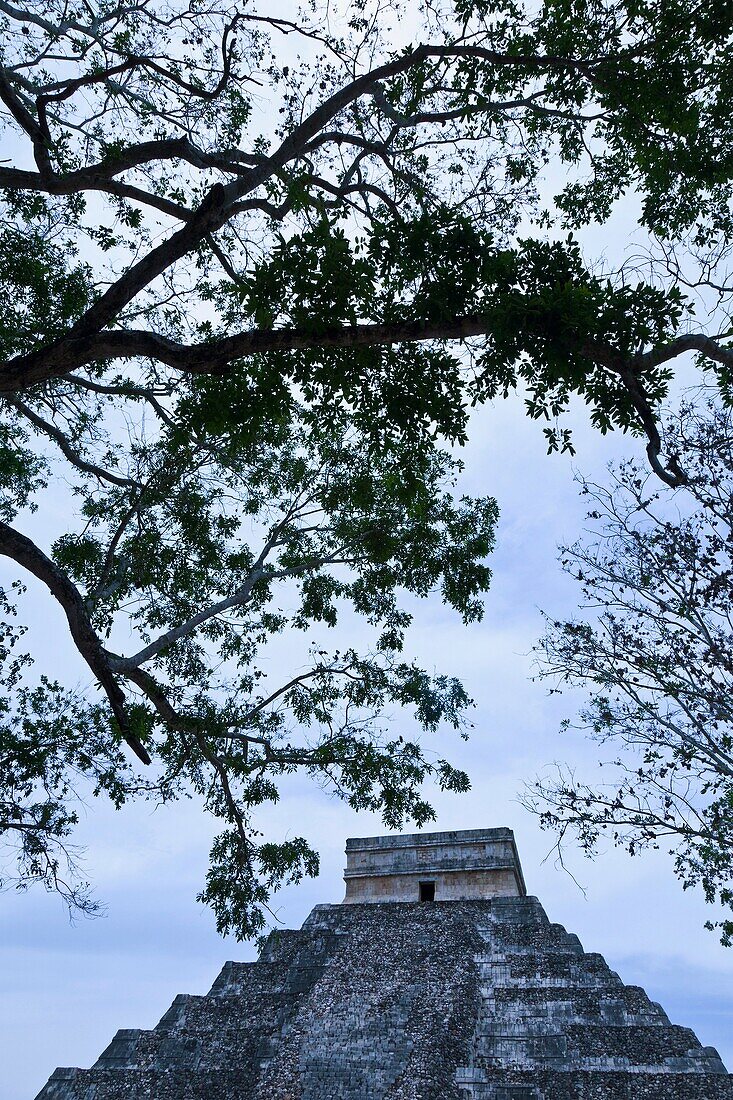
469	863
476	1000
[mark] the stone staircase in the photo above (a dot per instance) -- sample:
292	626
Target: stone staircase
473	1000
556	1023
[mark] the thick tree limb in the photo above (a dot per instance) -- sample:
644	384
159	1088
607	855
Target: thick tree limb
157	696
217	356
237	599
101	176
693	341
20	548
209	217
38	135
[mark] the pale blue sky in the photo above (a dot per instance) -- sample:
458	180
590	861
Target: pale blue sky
67	988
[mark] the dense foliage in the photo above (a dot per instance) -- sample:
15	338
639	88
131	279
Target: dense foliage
255	271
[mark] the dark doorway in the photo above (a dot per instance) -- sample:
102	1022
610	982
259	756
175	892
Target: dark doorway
427	891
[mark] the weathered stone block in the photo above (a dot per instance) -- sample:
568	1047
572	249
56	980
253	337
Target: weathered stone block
474	999
451	866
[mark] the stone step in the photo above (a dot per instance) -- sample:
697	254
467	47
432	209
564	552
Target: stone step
588	1084
612	1004
547	970
174	1083
516	937
233	1010
590	1046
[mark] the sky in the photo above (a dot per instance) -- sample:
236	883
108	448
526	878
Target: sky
67	987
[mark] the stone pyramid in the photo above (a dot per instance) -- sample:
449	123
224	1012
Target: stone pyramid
437	978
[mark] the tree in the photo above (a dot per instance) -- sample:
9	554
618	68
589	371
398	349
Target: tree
215	550
655	650
240	342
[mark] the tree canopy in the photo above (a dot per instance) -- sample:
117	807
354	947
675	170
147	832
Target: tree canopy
257	272
654	647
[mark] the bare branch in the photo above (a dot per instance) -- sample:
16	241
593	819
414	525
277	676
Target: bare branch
68	451
26	553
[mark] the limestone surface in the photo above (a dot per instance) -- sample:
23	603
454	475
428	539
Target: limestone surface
454	866
453	1000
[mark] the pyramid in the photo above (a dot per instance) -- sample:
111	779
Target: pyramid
437	978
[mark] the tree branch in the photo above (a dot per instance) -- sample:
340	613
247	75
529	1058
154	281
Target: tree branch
709	347
216	357
16	546
67	450
124	664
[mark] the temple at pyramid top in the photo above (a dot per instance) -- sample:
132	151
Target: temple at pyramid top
465	865
477	996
